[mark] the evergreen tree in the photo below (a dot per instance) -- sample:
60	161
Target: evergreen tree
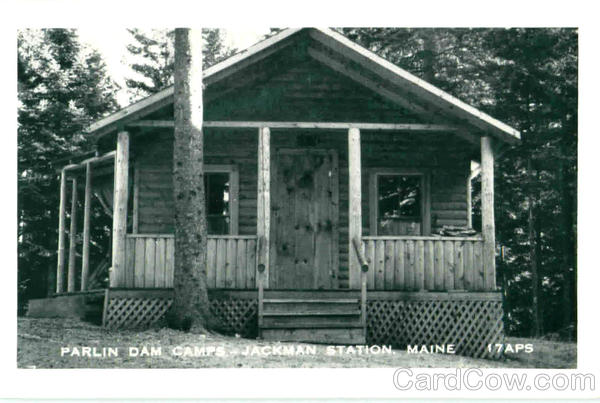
62	87
537	93
153	51
527	78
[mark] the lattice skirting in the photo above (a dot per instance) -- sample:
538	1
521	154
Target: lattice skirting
470	323
135	309
144	308
236	315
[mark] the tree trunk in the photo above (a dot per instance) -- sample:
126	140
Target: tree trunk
533	255
190	310
429	55
569	302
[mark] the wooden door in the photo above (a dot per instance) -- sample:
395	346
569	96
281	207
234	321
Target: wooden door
304	237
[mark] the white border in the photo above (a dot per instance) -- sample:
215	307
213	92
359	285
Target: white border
241	383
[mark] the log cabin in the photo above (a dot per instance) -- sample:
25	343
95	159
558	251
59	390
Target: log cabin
338	203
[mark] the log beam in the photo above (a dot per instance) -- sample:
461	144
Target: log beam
402	127
60	268
263	204
354	203
121	189
94	160
87	203
487	213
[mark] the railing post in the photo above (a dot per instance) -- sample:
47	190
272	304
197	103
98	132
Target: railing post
363	299
364	268
263	204
487	213
354	204
120	210
87	202
260	280
60	267
72	239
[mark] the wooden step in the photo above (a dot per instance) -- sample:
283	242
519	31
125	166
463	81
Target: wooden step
311	301
317	335
329	312
308	321
312	316
323	325
310	307
312	294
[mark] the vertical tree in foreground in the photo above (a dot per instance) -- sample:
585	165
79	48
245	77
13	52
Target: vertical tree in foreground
190	308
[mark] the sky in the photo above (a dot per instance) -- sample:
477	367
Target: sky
112	45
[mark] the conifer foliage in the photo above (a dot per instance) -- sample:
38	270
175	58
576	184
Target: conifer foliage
528	79
153	55
62	87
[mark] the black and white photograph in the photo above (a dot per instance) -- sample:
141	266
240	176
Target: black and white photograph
297	198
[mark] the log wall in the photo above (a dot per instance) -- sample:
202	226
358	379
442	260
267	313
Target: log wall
154	161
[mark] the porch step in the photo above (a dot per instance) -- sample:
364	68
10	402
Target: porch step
314	318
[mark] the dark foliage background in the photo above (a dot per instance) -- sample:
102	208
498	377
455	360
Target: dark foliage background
528	79
62	87
524	77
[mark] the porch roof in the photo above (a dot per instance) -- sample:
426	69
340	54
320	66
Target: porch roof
430	100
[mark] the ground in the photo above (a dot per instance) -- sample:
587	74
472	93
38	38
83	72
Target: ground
40	342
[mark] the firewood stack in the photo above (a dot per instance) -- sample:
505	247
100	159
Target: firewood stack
453	230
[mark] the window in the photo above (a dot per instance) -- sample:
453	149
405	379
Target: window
398	203
221	193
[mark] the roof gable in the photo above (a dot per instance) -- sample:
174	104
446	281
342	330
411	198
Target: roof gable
306	91
329	48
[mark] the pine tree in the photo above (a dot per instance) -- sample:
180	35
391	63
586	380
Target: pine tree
153	51
537	91
62	87
527	78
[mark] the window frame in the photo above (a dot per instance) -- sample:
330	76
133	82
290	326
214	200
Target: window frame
234	187
425	176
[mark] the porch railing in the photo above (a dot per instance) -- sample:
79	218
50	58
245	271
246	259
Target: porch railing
414	263
150	261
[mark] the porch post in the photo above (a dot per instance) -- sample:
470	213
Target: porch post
60	268
72	241
121	189
355	208
487	213
263	202
85	258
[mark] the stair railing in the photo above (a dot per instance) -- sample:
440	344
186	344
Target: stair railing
364	268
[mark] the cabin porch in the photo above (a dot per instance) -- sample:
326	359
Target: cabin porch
313	243
389	277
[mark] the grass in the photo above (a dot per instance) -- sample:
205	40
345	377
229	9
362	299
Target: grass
546	354
40	342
